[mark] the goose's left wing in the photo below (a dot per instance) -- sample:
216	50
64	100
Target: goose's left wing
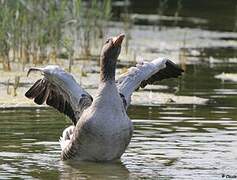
145	73
60	90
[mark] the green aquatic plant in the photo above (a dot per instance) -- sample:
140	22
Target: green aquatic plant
68	45
16	85
31	31
127	25
93	22
162	7
5	35
183	53
177	12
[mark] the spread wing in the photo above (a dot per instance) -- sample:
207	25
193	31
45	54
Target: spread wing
60	90
146	73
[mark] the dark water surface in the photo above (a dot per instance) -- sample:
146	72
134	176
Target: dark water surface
169	141
206	14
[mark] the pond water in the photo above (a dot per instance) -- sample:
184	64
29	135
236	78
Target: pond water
170	141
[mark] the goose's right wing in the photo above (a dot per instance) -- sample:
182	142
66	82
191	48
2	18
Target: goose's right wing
60	90
145	73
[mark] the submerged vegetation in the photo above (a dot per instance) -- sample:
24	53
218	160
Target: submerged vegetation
35	32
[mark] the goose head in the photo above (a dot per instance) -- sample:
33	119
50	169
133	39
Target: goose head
109	55
112	47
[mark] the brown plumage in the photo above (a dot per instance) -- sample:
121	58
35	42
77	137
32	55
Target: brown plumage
43	90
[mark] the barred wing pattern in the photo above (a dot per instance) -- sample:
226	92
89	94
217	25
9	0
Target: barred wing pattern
60	90
146	73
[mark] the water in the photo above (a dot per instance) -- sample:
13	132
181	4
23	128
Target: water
170	141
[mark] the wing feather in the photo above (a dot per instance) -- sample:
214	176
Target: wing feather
59	90
146	73
171	70
33	91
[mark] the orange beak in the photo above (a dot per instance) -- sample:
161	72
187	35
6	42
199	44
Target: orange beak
117	40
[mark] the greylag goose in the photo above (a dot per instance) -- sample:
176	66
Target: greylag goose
101	128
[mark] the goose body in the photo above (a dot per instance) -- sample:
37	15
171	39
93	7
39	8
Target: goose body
101	129
104	129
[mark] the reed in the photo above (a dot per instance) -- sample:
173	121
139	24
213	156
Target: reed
127	25
163	6
183	53
5	36
177	12
16	85
31	31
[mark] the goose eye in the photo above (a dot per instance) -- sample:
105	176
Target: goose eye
107	41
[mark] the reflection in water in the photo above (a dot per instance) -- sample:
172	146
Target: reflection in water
90	170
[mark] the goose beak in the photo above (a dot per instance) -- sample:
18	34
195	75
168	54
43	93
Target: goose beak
117	40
